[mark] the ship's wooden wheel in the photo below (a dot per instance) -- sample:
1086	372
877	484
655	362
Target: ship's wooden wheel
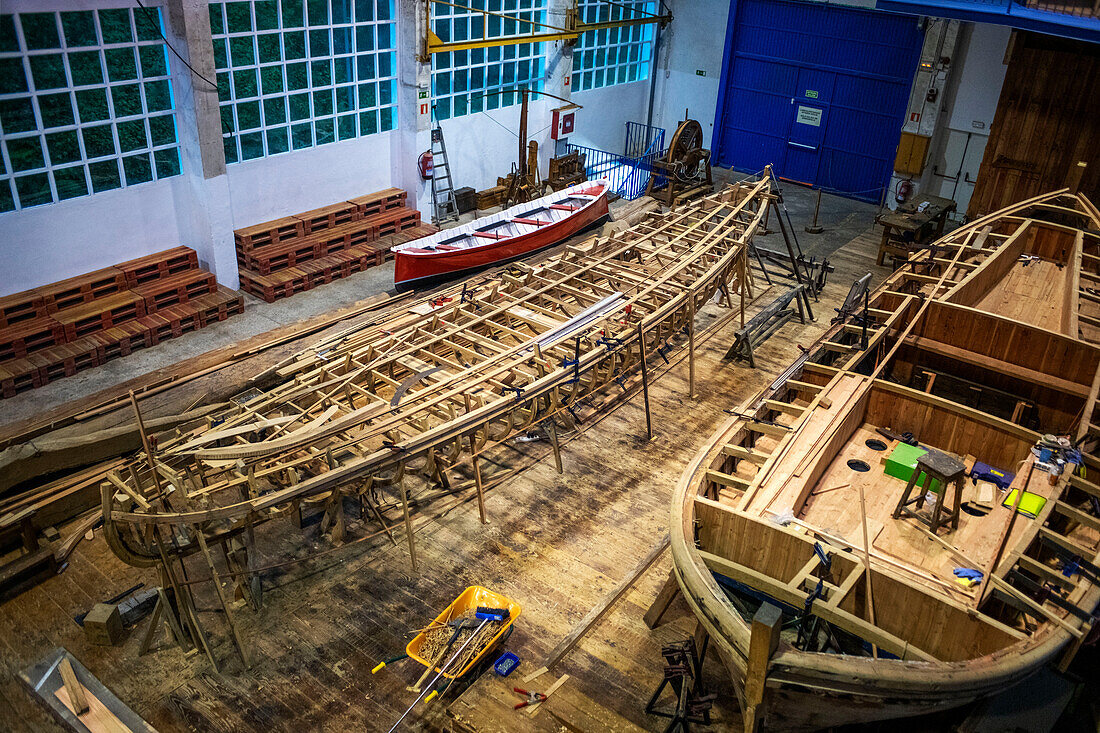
686	164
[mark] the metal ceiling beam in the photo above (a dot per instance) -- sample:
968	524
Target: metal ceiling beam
434	44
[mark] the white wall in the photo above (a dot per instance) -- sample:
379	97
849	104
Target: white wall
969	107
289	183
48	243
695	40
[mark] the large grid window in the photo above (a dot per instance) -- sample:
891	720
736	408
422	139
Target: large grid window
463	82
85	104
293	74
612	55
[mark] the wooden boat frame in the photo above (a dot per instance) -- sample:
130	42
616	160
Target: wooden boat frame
428	389
925	306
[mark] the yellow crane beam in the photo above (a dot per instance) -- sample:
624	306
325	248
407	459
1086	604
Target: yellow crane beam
434	44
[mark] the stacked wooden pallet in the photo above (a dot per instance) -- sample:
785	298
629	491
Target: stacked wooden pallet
285	256
59	329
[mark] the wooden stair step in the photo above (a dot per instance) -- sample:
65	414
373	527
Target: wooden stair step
100	314
179	288
329	216
18	307
26	337
82	289
267	233
158	265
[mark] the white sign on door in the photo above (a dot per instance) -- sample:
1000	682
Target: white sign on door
809	116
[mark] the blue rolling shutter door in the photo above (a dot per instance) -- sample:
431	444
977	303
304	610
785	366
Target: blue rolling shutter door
817	90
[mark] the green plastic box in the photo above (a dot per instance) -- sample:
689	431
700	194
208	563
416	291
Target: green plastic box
903	461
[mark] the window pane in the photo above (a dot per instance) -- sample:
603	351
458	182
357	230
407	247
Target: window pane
92	104
302	136
7	201
275	111
270	48
244	83
293	13
104	175
48	71
271	79
248	115
79	30
12	78
25	153
98	141
131	135
147	22
70	182
326	131
115	25
127	100
40	30
252	145
17	115
238	17
162	129
241	51
9	43
120	64
153	61
138	169
84	68
34	190
63	146
56	110
167	162
158	96
278	141
230	145
267	15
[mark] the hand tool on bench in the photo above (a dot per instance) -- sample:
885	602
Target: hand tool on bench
485	615
532	698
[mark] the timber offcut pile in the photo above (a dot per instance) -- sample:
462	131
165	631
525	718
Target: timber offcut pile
285	256
59	329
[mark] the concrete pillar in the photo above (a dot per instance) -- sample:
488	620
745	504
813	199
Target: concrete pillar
414	100
202	204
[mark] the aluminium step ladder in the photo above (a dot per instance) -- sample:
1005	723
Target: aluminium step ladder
444	205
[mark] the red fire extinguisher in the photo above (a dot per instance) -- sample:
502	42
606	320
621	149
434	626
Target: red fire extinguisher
425	165
902	192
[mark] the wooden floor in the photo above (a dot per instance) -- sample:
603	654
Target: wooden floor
555	543
1033	294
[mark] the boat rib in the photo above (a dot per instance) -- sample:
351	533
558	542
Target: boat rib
977	346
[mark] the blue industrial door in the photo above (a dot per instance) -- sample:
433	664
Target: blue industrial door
817	90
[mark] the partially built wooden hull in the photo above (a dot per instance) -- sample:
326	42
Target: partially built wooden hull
387	406
977	347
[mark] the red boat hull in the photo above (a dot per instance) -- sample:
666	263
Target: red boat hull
416	270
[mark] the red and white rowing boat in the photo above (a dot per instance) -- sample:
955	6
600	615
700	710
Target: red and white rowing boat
500	237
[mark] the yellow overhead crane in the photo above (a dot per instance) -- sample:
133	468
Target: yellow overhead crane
539	31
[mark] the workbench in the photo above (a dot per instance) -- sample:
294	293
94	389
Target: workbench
912	224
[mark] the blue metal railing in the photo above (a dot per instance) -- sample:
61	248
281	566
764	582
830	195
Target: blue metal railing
628	173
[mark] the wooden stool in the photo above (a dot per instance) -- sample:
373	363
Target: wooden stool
948	471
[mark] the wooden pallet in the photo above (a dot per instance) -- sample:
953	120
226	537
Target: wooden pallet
100	314
29	336
332	215
19	307
269	232
82	289
376	203
179	288
282	255
341	237
218	305
123	340
158	265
